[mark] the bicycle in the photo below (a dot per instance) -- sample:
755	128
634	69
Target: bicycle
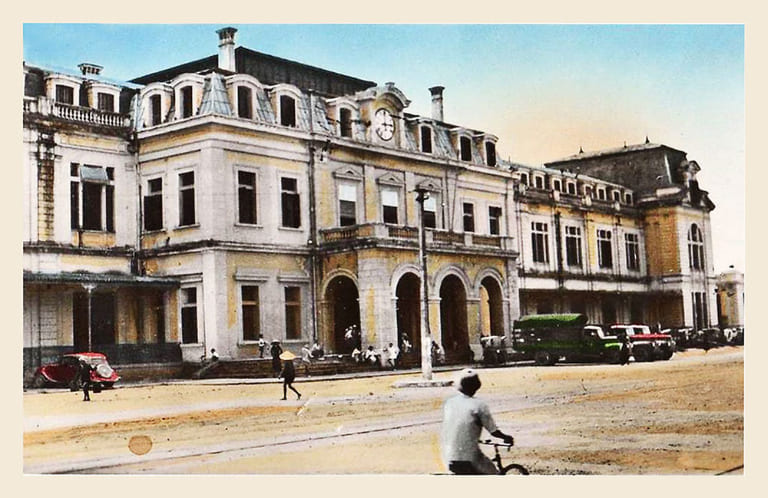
466	468
513	468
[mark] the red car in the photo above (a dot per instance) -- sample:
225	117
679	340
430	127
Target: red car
64	372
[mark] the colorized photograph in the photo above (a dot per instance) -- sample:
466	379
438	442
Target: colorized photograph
390	249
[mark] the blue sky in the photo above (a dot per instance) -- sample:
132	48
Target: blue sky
544	90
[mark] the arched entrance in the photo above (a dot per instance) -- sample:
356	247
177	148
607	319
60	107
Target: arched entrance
491	308
453	316
342	296
408	293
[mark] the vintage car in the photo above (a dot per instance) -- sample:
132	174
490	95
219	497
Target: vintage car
64	373
646	346
554	337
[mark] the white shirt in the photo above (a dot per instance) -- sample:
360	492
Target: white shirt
463	420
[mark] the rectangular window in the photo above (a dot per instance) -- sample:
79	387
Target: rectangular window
571	188
490	153
289	198
494	220
287	111
65	94
156	109
469	216
524	179
347	205
244	102
186	102
246	197
628	198
250	304
632	243
616	196
465	146
539	181
430	212
601	194
92	198
390	203
604	251
189	315
426	139
540	242
105	102
573	246
187	198
153	205
293	313
556	185
345	122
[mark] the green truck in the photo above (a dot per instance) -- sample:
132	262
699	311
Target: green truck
550	338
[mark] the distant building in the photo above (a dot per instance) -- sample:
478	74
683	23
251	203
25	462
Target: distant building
730	298
243	194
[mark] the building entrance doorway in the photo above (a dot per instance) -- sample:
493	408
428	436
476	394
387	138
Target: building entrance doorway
453	316
491	308
102	320
408	293
342	296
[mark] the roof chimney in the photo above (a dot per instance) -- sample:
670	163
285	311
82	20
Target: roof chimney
227	48
437	102
87	68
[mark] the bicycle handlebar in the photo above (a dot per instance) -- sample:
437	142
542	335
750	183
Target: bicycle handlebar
490	442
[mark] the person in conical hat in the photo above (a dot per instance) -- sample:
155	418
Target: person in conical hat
288	374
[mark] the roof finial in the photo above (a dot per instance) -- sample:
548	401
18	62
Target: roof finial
625	144
581	151
646	140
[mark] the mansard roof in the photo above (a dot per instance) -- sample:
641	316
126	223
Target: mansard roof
270	70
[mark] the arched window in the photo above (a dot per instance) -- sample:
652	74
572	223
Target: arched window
695	248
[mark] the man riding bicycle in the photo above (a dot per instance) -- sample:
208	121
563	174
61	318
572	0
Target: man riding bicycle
463	420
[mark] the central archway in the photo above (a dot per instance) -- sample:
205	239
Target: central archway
408	293
453	316
343	298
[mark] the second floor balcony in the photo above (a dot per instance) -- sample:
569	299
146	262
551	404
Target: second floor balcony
396	235
47	107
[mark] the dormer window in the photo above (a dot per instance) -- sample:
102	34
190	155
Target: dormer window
539	182
587	191
287	111
616	196
557	185
490	153
571	188
345	122
628	198
105	102
465	149
156	110
524	178
186	102
426	139
601	194
244	102
65	94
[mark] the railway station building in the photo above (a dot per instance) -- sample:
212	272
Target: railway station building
243	195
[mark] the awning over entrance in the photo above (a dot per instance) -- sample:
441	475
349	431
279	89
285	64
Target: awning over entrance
117	279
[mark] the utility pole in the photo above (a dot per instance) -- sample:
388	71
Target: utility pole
426	335
89	287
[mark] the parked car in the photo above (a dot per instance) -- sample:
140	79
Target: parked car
682	336
552	337
646	346
63	373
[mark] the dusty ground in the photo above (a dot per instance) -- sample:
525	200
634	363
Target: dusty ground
683	416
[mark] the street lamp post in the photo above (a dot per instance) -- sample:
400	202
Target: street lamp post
426	336
89	287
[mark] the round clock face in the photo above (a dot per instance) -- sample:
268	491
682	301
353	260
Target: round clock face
384	124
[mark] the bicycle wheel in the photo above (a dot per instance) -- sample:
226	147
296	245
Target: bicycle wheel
515	469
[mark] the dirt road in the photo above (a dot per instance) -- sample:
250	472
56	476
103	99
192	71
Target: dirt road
683	416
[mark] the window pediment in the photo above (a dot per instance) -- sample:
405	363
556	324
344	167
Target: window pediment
391	179
429	185
348	173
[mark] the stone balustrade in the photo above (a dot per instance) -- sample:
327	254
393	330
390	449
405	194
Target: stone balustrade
75	113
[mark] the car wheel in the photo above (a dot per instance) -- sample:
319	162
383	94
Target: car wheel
542	358
38	381
642	354
74	385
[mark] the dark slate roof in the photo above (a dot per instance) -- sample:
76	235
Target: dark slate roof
270	70
612	152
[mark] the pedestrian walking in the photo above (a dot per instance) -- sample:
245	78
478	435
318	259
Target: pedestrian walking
262	344
275	350
306	358
288	374
626	350
84	374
